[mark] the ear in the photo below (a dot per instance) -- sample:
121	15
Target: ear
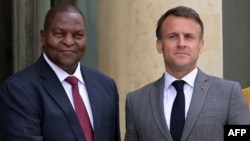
42	36
201	46
159	45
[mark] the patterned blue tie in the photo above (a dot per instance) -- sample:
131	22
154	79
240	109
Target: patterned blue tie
178	111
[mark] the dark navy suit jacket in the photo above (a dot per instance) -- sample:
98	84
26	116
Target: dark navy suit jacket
35	107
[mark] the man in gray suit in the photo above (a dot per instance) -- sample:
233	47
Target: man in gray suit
209	102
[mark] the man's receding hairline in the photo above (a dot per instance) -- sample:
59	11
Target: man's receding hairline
66	8
61	9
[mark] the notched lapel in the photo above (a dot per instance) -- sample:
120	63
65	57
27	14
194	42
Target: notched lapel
55	90
198	99
95	99
57	93
156	95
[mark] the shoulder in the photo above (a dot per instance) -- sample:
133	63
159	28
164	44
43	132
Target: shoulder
23	75
148	88
217	82
94	74
95	77
221	81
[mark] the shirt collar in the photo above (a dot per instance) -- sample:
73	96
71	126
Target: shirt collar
189	78
61	74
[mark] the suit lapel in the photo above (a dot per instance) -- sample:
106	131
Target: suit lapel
158	107
57	93
199	95
95	99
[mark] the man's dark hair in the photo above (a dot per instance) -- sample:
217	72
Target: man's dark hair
179	11
60	8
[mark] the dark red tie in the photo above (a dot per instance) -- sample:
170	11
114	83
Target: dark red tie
80	109
178	111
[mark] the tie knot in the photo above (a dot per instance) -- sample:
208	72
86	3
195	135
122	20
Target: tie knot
72	80
178	85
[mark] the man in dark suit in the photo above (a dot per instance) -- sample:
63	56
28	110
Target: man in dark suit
36	104
208	102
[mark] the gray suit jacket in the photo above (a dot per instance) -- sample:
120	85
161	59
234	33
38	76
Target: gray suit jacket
215	103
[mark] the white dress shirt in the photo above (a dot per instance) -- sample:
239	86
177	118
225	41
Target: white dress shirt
62	75
170	93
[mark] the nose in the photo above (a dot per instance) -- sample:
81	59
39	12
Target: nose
68	40
181	41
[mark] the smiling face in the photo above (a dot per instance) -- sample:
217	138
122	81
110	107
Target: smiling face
180	45
64	39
